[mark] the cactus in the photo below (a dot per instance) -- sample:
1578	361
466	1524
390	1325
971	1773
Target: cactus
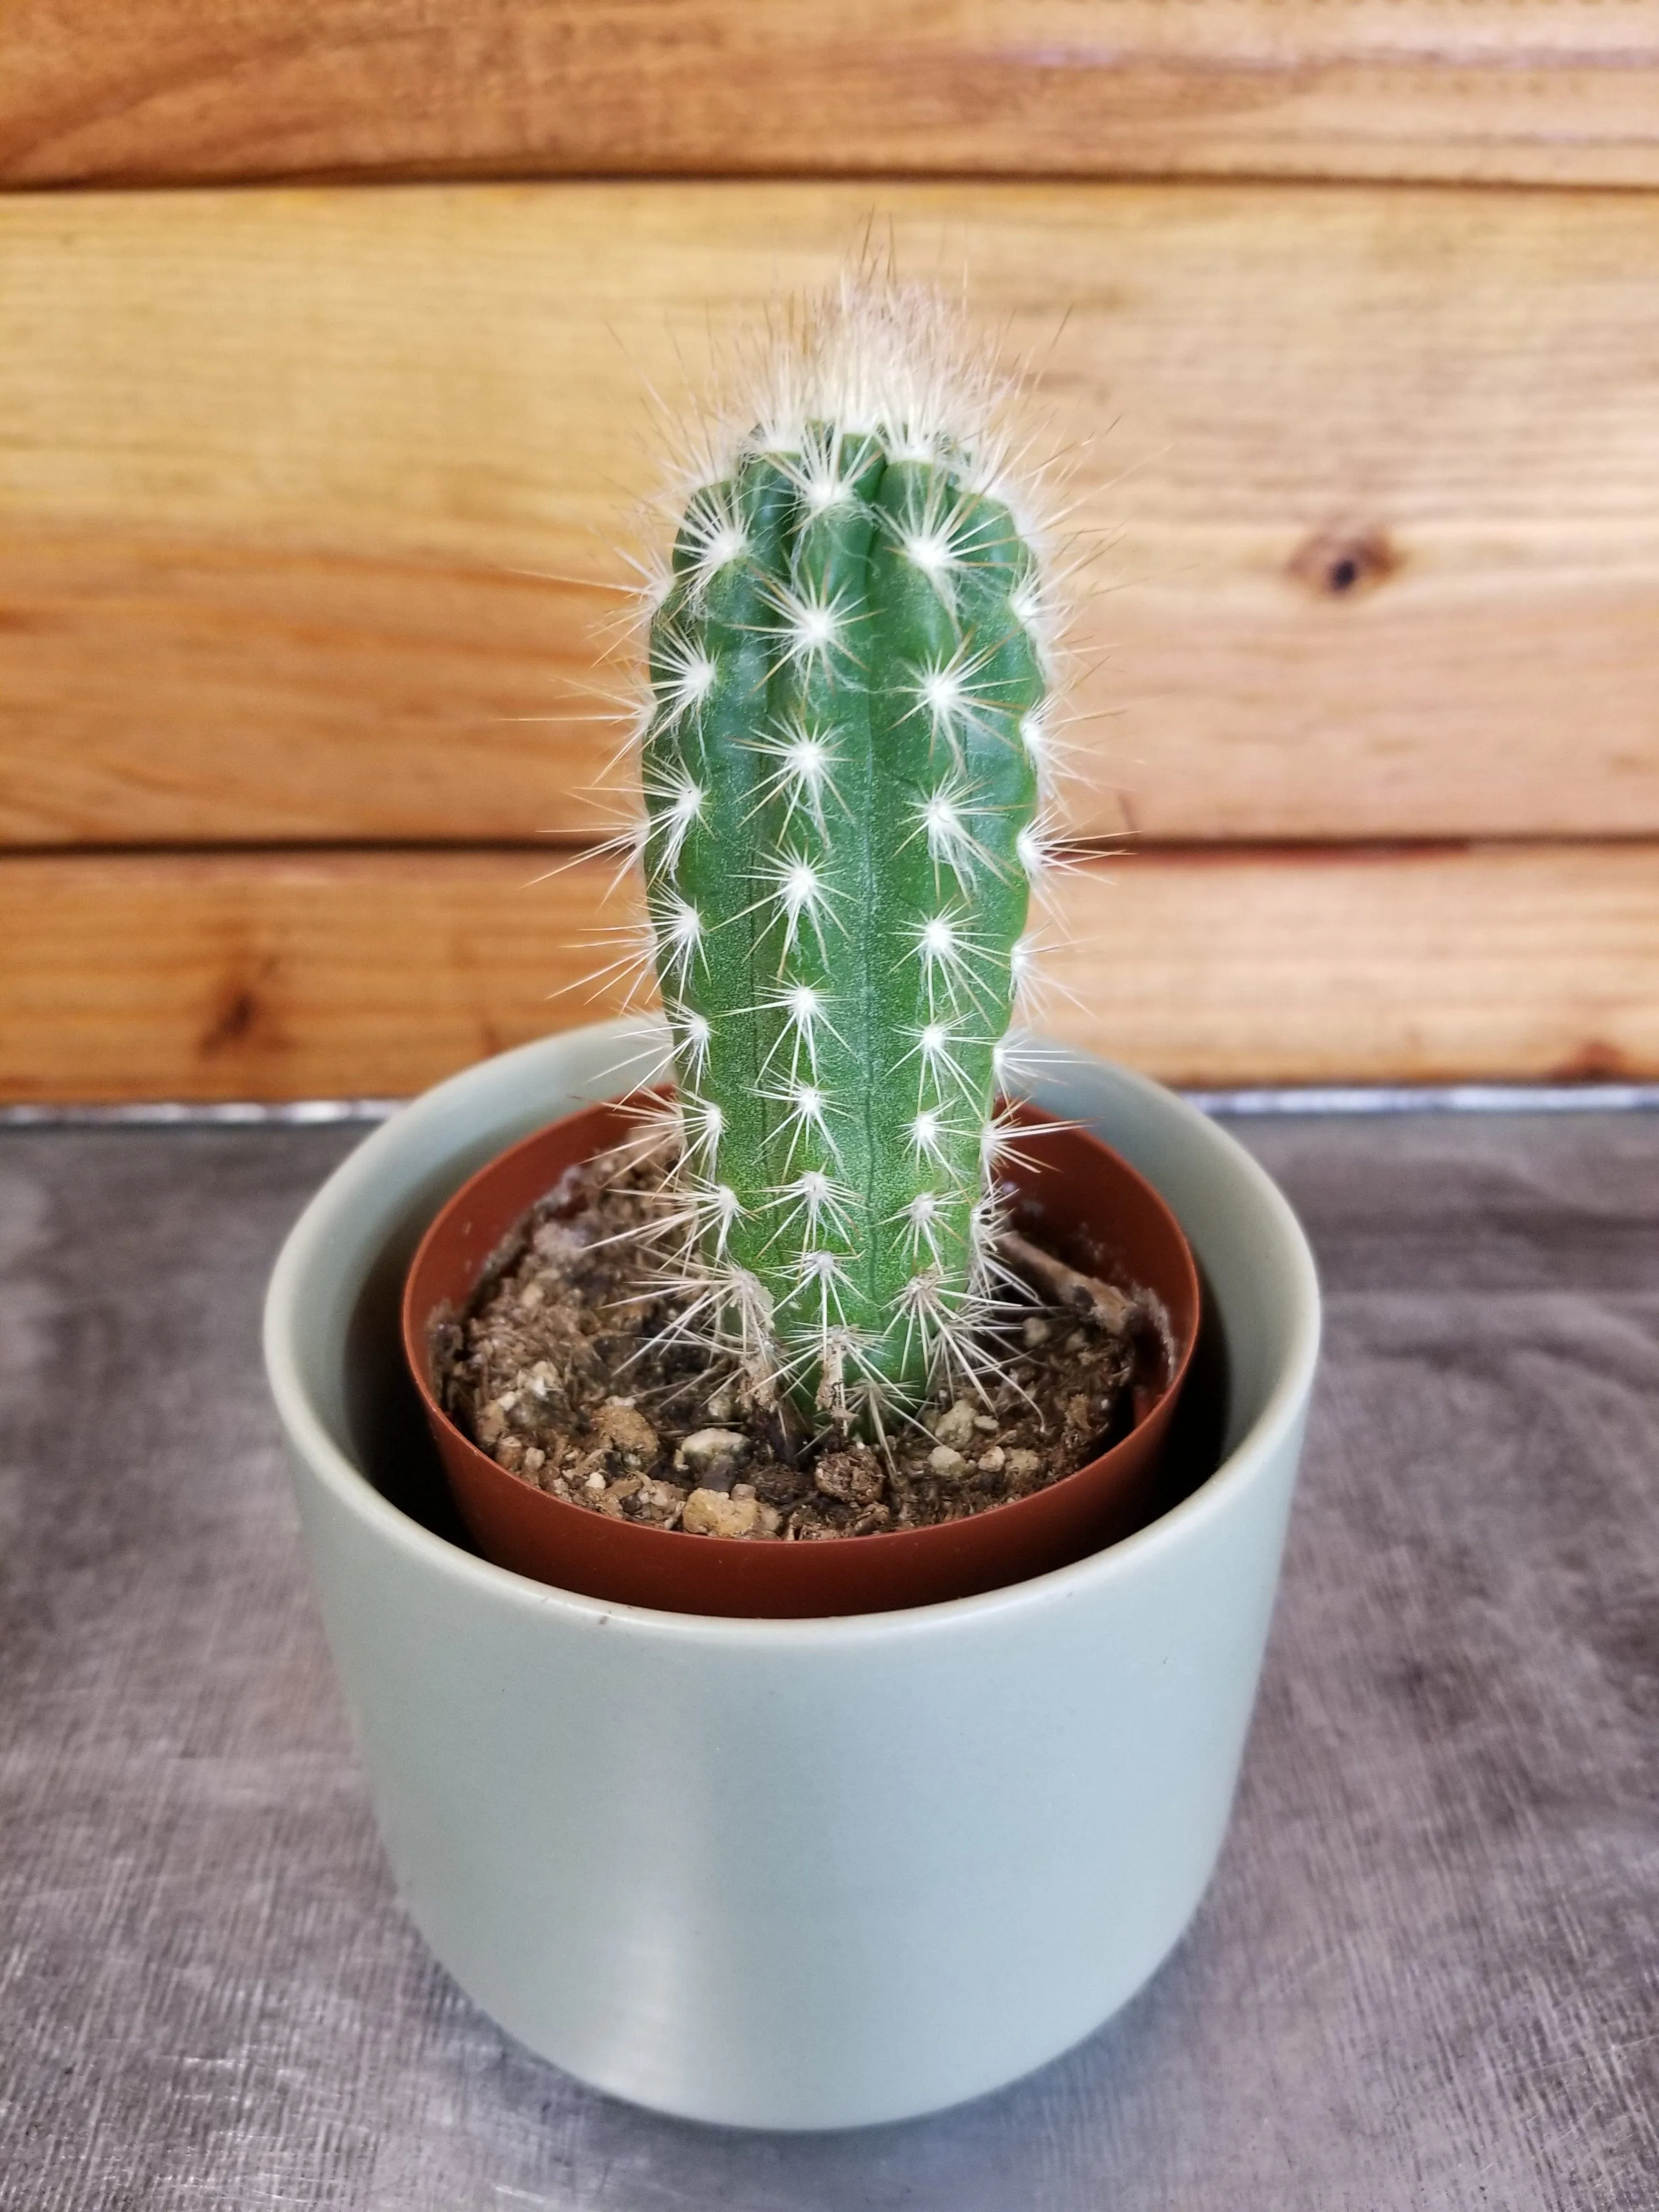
840	767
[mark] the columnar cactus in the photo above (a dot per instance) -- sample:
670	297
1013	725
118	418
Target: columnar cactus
840	778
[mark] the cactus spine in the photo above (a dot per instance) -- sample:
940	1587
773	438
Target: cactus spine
840	771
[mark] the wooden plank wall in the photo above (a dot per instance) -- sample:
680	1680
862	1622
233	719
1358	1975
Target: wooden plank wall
315	492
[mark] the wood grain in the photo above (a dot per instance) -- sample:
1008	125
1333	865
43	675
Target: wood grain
289	976
169	90
1367	482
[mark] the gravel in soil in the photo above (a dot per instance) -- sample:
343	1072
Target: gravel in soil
568	1370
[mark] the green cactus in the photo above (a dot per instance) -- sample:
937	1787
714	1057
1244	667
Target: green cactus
840	778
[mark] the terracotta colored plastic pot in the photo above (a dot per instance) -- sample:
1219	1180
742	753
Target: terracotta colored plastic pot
1080	1195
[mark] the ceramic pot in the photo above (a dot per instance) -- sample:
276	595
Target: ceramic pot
797	1873
1072	1188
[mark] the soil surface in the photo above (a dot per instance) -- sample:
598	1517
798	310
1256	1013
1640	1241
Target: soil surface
566	1370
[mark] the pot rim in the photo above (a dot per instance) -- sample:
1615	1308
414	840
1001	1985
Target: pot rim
357	1175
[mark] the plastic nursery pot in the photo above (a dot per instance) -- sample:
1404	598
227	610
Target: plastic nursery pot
1075	1190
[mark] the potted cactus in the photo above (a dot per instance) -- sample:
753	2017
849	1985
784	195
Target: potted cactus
782	1833
843	756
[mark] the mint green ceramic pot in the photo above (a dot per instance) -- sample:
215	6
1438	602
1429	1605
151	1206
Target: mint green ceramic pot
807	1874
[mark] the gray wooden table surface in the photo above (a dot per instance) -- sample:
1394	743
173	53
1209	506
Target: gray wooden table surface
1427	1973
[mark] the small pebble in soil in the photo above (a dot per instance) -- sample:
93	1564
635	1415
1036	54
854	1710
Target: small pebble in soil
715	1513
532	1373
954	1427
711	1457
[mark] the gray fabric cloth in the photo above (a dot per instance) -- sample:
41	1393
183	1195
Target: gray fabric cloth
1427	1974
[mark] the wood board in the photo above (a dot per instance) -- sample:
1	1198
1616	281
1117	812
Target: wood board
308	498
283	976
171	90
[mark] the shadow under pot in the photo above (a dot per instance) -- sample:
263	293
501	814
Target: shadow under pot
1074	1195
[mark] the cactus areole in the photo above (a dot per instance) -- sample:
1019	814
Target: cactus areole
841	774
